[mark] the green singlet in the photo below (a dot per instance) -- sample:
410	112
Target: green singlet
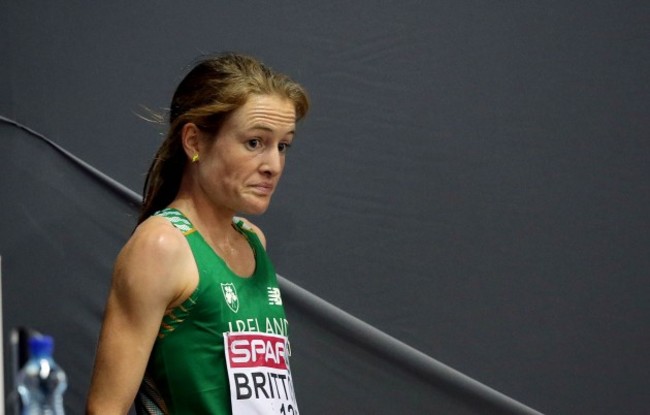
186	373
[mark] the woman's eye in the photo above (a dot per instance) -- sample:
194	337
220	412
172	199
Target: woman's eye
253	143
284	147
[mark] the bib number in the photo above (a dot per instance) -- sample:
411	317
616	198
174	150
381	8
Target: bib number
259	374
287	411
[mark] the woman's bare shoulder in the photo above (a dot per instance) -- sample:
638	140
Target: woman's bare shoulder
157	235
156	259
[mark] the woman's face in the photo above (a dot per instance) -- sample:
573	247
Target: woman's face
239	170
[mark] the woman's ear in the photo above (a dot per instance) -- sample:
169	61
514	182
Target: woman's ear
190	137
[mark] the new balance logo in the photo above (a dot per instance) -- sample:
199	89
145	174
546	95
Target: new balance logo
274	296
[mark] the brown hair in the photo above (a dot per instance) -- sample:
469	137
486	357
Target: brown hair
214	88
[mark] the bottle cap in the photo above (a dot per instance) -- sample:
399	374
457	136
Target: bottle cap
41	346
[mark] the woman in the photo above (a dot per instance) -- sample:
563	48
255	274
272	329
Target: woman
194	321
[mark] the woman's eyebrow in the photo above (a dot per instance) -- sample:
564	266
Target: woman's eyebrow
265	127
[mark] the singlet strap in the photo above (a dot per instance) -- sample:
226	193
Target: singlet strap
176	218
183	224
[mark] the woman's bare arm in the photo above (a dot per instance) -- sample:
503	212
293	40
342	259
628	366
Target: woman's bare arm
154	272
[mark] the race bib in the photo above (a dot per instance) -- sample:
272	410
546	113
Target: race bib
259	375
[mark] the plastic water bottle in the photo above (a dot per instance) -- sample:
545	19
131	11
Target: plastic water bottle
41	382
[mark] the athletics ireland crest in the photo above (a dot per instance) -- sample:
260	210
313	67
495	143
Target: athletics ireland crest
230	295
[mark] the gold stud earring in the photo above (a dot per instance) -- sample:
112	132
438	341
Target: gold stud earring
195	158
